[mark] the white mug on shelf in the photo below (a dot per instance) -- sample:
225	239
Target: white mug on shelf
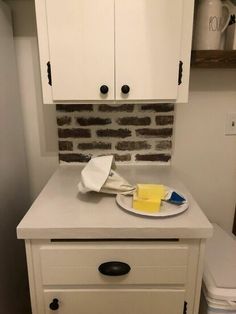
230	43
210	24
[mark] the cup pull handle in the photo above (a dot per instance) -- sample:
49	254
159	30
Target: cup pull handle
114	268
224	5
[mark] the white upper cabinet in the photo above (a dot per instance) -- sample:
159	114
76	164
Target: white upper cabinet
81	37
114	50
147	45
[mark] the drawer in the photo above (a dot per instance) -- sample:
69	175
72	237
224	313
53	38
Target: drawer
149	262
116	301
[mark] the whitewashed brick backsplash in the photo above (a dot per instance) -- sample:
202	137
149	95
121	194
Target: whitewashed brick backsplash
132	133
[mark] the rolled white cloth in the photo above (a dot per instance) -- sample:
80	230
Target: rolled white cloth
99	175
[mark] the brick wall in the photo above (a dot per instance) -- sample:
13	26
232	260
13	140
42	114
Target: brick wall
132	133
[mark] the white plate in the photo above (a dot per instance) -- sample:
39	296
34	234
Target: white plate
167	209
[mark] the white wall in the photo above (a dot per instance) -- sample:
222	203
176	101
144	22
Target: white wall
203	155
39	120
14	194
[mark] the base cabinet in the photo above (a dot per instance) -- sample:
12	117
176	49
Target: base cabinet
115	301
161	276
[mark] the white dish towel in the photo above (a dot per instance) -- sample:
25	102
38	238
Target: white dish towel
99	175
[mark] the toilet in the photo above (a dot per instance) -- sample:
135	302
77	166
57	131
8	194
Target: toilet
219	279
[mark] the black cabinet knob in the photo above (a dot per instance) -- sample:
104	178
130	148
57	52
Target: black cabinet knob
125	89
114	268
104	89
54	305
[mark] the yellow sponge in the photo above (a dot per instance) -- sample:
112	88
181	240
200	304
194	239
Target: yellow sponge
151	191
148	205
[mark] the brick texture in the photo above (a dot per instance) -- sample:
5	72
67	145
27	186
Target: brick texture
93	121
120	133
132	133
164	145
75	133
74	108
65	120
158	107
65	145
164	120
133	145
121	108
153	157
74	157
94	145
134	121
165	132
126	157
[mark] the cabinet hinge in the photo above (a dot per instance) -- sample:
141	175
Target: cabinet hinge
185	307
181	64
49	73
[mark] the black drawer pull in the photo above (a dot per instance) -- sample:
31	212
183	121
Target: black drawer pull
104	89
125	89
114	268
54	305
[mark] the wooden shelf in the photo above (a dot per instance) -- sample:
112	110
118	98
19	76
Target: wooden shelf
213	59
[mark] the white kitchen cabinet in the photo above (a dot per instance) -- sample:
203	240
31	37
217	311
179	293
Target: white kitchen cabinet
131	50
154	265
81	36
147	45
116	301
65	276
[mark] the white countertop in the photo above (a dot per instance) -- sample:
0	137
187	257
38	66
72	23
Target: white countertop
60	212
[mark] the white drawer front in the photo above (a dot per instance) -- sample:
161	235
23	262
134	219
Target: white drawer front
77	264
127	301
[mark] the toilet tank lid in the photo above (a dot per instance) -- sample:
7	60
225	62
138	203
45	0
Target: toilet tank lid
220	265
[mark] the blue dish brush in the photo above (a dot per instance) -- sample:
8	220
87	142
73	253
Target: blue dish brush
175	198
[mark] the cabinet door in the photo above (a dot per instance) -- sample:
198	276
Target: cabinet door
81	47
115	301
147	43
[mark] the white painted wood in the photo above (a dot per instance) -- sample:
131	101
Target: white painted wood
147	45
185	53
61	290
81	44
60	212
191	288
73	264
163	274
151	36
125	301
44	56
198	281
31	277
36	278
